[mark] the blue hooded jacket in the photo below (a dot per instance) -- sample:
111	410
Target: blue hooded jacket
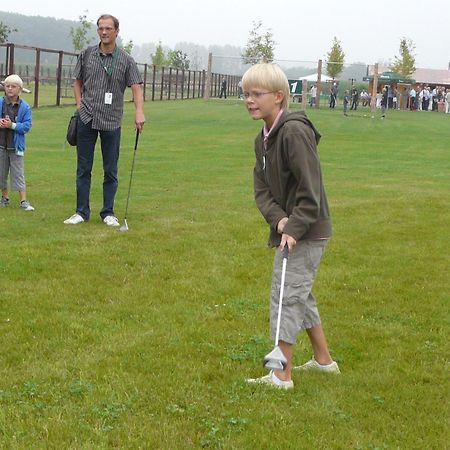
22	126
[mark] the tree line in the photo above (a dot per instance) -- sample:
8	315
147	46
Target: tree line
73	36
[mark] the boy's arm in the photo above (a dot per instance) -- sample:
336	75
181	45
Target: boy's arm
23	122
305	166
268	206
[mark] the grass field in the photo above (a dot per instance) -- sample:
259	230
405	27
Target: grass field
142	340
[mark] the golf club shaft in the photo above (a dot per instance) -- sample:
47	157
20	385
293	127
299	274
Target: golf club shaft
280	302
131	173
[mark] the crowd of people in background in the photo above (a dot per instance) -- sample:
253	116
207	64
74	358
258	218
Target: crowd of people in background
417	98
426	99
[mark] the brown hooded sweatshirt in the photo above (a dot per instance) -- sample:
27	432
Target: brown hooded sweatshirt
288	180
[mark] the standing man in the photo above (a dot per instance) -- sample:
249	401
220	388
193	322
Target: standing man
333	95
223	88
101	75
355	98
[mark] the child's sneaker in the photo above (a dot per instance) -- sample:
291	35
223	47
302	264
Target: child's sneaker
4	201
312	364
25	204
272	380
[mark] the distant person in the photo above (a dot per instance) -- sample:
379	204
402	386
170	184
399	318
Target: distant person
15	122
239	86
384	101
412	99
290	195
223	89
447	102
101	75
355	98
345	103
313	92
333	95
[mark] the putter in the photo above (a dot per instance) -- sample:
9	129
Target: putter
276	359
124	227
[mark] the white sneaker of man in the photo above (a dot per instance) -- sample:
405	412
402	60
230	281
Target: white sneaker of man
74	219
111	221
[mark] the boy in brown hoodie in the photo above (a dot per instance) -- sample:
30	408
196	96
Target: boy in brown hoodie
290	195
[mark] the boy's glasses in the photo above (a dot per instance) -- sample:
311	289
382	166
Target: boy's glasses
256	94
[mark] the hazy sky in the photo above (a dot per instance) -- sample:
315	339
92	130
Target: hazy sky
369	31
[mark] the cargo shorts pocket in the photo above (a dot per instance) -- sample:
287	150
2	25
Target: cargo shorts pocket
295	291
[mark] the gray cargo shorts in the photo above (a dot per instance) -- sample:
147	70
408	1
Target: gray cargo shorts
299	308
12	164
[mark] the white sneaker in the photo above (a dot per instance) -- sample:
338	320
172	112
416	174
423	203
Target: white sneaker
272	380
25	204
73	220
312	364
111	221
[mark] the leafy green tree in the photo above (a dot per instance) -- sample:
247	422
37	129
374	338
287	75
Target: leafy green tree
260	46
159	58
335	59
404	64
5	31
80	33
128	47
178	59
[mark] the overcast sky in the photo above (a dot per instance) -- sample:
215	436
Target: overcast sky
369	31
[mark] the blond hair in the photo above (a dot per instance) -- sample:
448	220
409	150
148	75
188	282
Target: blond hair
14	79
267	76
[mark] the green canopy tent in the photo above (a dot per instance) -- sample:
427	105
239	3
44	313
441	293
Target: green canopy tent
391	77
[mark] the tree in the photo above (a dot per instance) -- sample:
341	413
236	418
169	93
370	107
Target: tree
159	58
405	63
5	31
128	47
335	59
79	34
260	47
178	59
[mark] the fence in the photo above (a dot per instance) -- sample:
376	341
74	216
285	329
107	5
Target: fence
50	78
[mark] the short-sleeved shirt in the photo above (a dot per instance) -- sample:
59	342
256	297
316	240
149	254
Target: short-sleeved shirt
104	74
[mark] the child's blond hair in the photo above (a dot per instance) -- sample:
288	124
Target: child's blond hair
14	79
267	76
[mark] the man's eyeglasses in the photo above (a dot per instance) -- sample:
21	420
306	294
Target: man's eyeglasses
253	94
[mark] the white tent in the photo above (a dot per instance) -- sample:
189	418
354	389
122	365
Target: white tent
313	78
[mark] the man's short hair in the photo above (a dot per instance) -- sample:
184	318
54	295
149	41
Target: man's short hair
109	16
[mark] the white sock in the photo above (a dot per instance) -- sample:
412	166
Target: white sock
326	365
277	380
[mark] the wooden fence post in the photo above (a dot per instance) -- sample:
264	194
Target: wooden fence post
59	79
37	69
304	93
207	93
319	83
373	103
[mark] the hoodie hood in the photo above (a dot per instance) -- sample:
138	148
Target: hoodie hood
300	116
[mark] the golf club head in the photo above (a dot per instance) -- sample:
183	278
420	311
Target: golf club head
124	227
275	359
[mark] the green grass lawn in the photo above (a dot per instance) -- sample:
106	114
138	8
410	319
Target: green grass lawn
143	339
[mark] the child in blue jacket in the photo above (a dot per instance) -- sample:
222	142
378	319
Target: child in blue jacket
15	122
